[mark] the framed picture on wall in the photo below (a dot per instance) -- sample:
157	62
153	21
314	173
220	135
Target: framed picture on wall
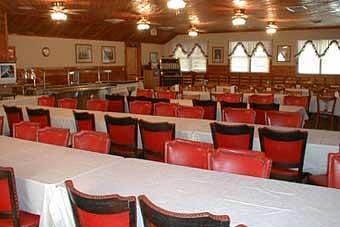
218	54
283	53
84	53
108	54
154	59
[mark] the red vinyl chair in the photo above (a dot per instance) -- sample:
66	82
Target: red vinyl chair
13	115
243	162
165	109
210	108
332	177
141	107
97	105
236	115
47	101
154	136
261	99
166	94
188	153
302	101
1	125
54	136
68	103
103	211
10	214
158	217
238	137
123	133
286	150
92	141
230	98
40	116
261	110
190	112
84	121
25	130
284	119
116	103
148	93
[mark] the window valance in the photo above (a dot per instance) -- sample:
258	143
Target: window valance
320	46
250	47
189	47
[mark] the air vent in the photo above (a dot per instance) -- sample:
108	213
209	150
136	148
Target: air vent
296	9
114	20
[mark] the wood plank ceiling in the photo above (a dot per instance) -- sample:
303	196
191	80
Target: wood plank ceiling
31	17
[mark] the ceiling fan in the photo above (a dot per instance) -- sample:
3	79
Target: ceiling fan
59	12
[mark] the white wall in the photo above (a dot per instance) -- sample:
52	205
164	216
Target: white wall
147	48
280	38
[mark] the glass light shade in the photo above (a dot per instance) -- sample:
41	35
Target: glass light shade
58	16
143	25
176	4
239	21
193	33
271	28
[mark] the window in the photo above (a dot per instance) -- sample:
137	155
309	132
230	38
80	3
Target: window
319	57
183	59
250	56
196	62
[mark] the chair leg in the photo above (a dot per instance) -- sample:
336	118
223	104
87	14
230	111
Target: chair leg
317	121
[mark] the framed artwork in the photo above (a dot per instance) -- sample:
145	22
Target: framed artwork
218	54
84	53
154	60
108	54
283	53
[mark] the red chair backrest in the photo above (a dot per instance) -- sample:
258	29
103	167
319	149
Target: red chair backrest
54	136
297	101
165	109
103	211
188	153
92	141
230	98
261	110
68	103
236	115
261	99
40	116
148	93
48	101
122	131
284	119
9	207
141	107
97	105
210	108
13	115
84	121
166	94
190	112
334	170
250	163
25	130
116	103
154	136
232	136
285	149
154	216
1	124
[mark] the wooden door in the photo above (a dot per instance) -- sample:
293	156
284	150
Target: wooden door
133	61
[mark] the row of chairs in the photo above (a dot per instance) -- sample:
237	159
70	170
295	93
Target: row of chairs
94	210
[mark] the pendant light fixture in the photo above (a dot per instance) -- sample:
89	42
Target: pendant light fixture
176	4
271	28
58	13
240	17
193	31
143	24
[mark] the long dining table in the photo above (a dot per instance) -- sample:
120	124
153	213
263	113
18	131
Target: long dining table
319	144
41	169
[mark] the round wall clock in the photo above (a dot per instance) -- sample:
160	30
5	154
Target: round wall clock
45	51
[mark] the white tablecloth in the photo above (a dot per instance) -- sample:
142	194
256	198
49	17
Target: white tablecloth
320	142
21	100
41	170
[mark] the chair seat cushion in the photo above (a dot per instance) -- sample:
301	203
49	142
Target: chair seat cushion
321	180
26	220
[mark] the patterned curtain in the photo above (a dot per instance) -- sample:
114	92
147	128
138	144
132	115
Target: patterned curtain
320	46
188	47
250	47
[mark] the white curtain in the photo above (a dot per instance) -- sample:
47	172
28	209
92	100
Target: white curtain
250	47
320	46
189	45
